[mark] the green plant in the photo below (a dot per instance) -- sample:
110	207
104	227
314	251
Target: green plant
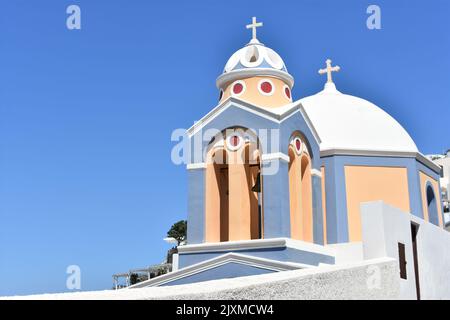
134	278
178	231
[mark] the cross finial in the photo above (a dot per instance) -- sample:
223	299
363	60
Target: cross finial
253	26
328	70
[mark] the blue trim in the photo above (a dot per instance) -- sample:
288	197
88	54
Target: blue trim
427	171
228	270
336	201
196	206
435	176
293	123
433	214
317	209
264	64
235	116
276	208
414	189
284	254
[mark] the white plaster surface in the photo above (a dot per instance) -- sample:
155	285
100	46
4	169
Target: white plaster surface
384	226
347	252
375	279
434	261
351	123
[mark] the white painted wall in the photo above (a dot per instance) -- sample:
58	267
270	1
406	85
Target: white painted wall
434	261
175	261
347	252
369	280
384	226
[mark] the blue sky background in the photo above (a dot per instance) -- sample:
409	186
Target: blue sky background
86	116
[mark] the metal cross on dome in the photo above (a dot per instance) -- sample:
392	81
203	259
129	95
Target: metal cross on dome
253	26
328	70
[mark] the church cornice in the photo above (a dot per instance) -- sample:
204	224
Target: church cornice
382	153
278	115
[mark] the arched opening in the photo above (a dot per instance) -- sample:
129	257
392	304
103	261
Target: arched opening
233	189
300	190
432	206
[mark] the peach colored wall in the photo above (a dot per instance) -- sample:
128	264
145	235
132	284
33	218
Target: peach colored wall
324	206
254	96
300	196
239	202
215	186
295	194
231	207
307	199
424	178
364	184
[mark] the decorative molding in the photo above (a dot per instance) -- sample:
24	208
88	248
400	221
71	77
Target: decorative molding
233	245
224	259
244	87
228	102
382	153
428	163
229	77
290	92
370	153
229	145
254	244
260	82
275	156
276	117
293	143
198	165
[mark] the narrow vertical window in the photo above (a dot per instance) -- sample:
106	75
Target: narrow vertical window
402	260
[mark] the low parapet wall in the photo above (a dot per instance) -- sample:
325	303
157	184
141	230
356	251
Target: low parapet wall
373	279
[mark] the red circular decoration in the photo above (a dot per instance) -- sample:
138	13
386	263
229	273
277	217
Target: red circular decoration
234	141
266	87
287	92
298	144
238	88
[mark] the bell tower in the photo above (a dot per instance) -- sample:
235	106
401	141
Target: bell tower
256	74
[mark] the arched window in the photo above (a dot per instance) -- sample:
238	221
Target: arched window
432	205
233	187
300	189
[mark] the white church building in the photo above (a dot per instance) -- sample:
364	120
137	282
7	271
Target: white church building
279	187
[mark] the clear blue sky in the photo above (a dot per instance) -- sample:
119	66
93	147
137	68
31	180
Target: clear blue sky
86	116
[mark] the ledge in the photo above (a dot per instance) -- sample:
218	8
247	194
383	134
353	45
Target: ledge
233	245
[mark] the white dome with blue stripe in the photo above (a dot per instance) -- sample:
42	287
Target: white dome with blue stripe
255	59
255	56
